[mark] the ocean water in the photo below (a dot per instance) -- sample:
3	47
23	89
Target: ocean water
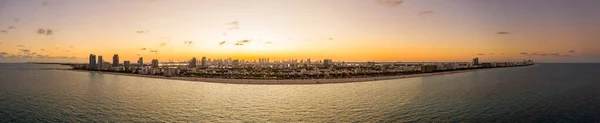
539	93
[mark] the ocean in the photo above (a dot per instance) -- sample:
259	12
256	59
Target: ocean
538	93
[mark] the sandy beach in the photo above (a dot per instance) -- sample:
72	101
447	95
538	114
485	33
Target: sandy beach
283	81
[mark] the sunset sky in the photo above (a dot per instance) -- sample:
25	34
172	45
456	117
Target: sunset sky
348	30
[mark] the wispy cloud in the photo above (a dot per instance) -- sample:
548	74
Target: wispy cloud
163	44
572	51
143	48
424	13
222	42
480	54
189	43
154	51
503	33
390	3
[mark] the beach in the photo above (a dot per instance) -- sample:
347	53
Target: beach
283	81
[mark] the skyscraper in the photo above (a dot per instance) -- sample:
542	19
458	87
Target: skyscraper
203	62
308	62
127	64
193	62
476	61
92	64
236	63
115	60
327	62
155	63
141	61
100	61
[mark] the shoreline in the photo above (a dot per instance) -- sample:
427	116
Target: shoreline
284	81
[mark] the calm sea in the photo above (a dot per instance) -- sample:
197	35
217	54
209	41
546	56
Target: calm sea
539	93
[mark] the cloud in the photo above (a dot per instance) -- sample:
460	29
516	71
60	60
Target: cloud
163	44
42	49
154	51
3	53
239	44
3	31
330	38
503	33
49	32
143	48
481	54
142	31
25	50
567	56
572	51
222	42
235	25
71	47
390	3
524	53
189	43
41	31
423	13
20	45
268	42
34	53
11	27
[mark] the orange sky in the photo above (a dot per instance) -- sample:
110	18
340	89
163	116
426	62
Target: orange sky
356	30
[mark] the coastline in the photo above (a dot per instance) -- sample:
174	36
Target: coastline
285	81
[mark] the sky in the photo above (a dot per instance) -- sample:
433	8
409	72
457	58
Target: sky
342	30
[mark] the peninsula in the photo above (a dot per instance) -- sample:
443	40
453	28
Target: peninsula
263	71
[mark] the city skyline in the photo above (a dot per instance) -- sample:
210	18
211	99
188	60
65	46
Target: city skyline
406	31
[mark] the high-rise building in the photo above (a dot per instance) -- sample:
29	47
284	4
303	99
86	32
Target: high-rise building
141	61
203	62
193	62
155	63
115	60
100	61
308	62
476	61
328	62
236	62
127	64
92	64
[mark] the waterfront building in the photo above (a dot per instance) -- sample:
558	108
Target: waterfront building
203	62
115	60
92	64
327	62
476	61
141	61
236	63
100	61
155	63
193	62
127	64
428	68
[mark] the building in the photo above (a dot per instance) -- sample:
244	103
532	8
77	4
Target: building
127	64
428	68
236	63
141	61
92	64
193	62
203	62
115	60
308	62
327	62
155	63
100	61
476	61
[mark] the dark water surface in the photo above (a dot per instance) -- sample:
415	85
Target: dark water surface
539	93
